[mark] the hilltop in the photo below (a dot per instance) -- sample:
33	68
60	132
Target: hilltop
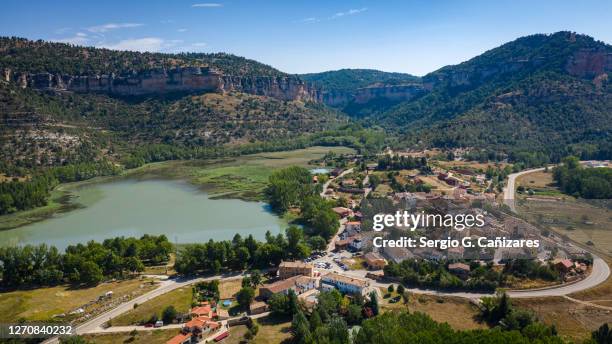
547	94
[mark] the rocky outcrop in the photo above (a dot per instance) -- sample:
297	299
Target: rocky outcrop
396	93
590	63
164	81
593	64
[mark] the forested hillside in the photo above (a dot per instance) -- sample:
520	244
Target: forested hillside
352	79
21	54
50	126
540	93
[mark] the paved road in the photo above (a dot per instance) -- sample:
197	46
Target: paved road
511	187
326	185
96	323
600	272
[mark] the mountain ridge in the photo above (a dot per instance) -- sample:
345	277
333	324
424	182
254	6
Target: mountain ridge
527	87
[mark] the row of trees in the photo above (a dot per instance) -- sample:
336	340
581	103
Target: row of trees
430	274
388	162
239	254
18	195
90	263
583	182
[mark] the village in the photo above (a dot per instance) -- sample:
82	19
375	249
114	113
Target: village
351	264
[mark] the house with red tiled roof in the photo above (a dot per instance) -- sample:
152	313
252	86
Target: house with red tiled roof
563	265
204	310
181	338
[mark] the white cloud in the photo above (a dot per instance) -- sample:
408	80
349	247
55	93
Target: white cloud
349	12
308	20
138	44
182	30
208	5
111	26
80	38
199	45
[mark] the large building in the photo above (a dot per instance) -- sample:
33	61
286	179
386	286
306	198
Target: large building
343	283
290	269
374	261
299	284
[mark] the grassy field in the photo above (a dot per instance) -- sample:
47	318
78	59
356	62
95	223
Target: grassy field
541	183
572	320
272	331
42	303
236	335
241	177
143	337
457	312
227	289
585	222
179	298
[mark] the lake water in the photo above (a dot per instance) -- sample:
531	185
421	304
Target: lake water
130	207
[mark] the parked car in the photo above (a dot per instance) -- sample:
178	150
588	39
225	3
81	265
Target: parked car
159	323
395	299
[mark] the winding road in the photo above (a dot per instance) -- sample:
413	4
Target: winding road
509	190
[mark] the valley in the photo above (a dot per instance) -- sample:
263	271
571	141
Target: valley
211	197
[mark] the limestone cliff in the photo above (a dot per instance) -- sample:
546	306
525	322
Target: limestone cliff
164	81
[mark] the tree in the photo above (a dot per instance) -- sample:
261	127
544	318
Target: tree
400	289
90	273
405	297
390	288
353	314
294	238
256	278
74	340
245	297
292	302
603	335
133	264
315	321
374	302
300	327
279	304
169	314
338	331
317	243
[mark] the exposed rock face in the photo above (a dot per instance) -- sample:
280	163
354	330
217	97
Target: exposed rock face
590	63
163	81
367	94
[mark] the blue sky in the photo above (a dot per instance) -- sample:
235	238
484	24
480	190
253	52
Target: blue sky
409	36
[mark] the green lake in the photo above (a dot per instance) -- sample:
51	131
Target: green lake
132	207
